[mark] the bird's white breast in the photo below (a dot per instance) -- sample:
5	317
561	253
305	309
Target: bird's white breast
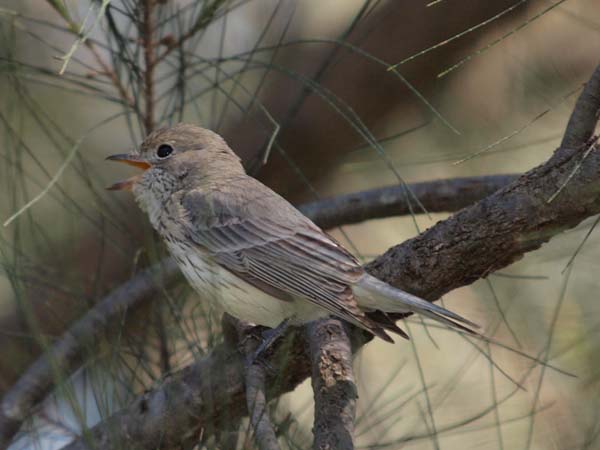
234	295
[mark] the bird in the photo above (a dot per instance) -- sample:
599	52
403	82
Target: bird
247	249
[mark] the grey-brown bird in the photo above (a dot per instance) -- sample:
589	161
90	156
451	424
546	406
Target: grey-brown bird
246	248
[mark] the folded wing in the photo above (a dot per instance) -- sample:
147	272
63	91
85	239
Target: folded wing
256	234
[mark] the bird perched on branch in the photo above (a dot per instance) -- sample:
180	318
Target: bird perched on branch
249	250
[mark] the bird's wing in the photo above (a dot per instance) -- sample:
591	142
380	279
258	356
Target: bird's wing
256	234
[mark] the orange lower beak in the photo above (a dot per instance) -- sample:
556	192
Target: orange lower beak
125	185
132	160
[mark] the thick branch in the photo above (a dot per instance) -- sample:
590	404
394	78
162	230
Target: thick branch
485	237
333	385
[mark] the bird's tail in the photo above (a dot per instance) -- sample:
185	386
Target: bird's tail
376	295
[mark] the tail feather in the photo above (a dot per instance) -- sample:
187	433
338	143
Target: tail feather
450	323
386	322
375	294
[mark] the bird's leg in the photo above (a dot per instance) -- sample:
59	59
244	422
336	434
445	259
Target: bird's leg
269	337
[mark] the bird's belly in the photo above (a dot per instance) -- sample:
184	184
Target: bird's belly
231	293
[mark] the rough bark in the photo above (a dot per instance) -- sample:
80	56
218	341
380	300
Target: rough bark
333	385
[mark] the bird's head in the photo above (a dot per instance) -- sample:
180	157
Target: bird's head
170	154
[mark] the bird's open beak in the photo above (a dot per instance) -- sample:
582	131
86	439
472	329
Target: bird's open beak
132	160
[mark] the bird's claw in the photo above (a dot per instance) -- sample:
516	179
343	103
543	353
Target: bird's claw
269	337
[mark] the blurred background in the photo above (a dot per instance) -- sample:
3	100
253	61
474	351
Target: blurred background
363	94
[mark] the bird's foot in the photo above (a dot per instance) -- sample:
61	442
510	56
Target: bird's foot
269	337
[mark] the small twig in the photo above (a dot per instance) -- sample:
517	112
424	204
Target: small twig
106	70
49	186
256	398
333	385
83	36
60	170
206	17
147	34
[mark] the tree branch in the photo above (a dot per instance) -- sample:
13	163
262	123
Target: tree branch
333	385
436	196
485	237
584	119
256	398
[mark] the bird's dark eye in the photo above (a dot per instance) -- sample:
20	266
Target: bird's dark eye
164	150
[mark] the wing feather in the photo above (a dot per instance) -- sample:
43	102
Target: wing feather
256	234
